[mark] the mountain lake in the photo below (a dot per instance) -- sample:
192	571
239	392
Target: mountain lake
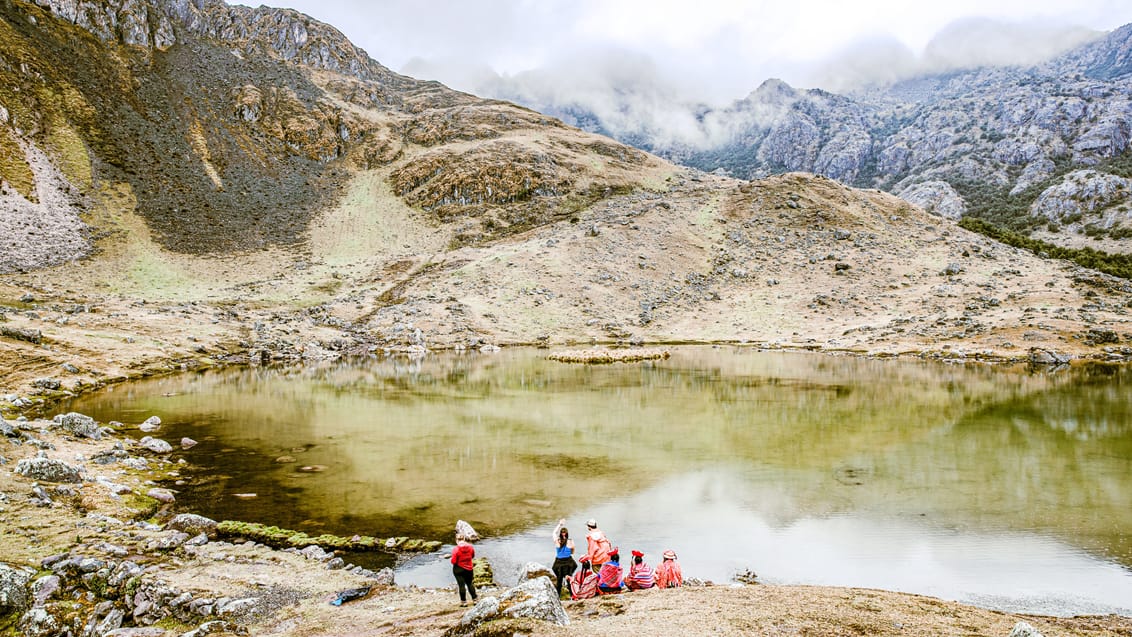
1005	487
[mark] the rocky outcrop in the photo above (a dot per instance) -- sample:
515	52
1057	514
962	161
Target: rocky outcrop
936	197
1087	192
533	599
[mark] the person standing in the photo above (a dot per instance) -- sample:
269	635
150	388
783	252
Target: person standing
597	545
463	569
668	574
564	564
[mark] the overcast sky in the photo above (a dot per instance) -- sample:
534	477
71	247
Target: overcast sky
720	49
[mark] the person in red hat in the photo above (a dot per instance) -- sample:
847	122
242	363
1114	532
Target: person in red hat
609	578
640	574
668	574
583	584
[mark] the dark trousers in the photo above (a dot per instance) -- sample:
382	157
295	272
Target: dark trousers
464	579
563	568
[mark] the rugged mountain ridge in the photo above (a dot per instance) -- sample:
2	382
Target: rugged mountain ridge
230	128
987	142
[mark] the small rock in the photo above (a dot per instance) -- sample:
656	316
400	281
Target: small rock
46	383
70	369
192	524
151	424
335	564
1022	629
44	589
188	443
156	445
161	495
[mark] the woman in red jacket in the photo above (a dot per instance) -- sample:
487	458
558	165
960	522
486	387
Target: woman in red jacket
462	568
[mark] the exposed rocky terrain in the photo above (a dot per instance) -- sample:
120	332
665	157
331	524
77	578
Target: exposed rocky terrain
192	184
941	141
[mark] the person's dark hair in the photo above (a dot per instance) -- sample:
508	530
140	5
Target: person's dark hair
563	535
637	559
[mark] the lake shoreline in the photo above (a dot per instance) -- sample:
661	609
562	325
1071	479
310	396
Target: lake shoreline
90	520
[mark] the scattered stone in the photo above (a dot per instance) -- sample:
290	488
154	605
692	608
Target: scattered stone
13	590
167	541
38	622
952	269
188	443
161	495
151	424
144	631
465	529
48	469
192	524
156	445
1040	356
47	383
79	425
28	335
1022	629
44	589
70	369
208	628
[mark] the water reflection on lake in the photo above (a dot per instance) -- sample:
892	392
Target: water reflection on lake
1002	487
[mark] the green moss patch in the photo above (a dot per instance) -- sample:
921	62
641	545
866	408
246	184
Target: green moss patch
287	538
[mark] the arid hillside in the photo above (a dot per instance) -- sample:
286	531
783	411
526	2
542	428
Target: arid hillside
190	184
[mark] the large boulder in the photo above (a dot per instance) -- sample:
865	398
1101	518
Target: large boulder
39	622
192	524
533	599
534	570
79	425
14	597
48	469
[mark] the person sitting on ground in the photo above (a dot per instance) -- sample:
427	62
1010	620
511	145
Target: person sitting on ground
597	545
640	574
564	563
609	578
583	584
668	574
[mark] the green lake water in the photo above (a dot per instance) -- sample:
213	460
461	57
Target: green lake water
1004	487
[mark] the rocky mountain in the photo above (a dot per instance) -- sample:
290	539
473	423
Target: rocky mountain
229	128
989	142
184	183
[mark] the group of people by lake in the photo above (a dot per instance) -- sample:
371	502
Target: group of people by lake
598	572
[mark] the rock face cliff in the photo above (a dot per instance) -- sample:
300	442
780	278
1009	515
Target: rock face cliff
1001	135
227	128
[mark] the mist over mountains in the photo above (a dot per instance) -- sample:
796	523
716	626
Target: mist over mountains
991	118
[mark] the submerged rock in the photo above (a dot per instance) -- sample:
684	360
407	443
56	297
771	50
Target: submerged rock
156	445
